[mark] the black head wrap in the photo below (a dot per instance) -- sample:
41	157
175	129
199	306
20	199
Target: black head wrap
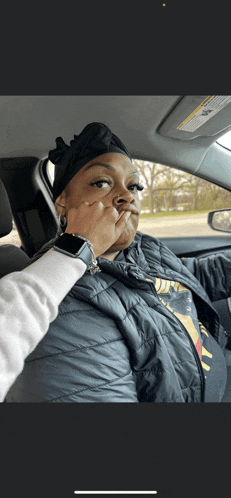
95	139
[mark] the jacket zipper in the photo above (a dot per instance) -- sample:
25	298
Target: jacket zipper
195	353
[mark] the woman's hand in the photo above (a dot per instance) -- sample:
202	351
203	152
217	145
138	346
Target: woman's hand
101	225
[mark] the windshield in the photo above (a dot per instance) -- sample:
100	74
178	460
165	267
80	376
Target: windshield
225	140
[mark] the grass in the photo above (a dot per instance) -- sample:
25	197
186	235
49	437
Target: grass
171	213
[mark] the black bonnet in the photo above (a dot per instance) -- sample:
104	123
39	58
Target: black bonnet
95	139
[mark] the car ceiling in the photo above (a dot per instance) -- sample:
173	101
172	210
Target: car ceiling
146	124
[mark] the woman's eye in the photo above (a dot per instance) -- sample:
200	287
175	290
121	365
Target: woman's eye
135	187
101	183
104	184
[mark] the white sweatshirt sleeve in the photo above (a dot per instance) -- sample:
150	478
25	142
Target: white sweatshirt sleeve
29	301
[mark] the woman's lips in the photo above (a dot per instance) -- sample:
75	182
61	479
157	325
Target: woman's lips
132	209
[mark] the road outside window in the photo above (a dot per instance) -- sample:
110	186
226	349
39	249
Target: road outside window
175	203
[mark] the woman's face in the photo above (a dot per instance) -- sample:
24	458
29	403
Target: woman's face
104	179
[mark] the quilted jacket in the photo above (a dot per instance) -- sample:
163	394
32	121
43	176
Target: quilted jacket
114	341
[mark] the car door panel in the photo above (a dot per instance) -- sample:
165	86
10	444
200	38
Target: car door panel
197	246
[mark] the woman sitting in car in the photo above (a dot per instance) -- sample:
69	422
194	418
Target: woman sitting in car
139	325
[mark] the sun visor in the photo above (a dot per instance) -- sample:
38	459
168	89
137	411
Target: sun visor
198	116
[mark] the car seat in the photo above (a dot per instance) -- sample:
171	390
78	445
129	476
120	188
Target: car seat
12	258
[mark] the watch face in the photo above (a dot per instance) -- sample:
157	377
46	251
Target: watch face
69	243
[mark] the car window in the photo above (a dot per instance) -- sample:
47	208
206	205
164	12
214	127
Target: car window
225	140
175	203
50	169
11	238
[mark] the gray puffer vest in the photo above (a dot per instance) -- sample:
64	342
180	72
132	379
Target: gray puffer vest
114	341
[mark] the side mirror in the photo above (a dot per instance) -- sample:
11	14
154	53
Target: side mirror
220	220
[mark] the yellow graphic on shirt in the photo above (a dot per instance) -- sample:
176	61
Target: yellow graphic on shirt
166	304
205	366
203	329
163	287
190	327
206	353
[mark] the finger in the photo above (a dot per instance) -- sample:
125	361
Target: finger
120	216
122	222
110	213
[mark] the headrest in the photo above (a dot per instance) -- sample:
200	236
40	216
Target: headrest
5	212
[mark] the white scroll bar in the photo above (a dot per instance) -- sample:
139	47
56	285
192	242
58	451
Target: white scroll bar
116	492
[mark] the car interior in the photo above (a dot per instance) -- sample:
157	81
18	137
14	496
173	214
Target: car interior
179	131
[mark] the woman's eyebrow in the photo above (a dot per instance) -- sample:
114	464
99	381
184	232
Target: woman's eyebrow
108	166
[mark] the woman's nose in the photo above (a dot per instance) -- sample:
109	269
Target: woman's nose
126	196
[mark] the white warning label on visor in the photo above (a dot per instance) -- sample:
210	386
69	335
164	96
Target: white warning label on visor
205	111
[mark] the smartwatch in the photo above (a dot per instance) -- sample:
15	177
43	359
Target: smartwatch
77	246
